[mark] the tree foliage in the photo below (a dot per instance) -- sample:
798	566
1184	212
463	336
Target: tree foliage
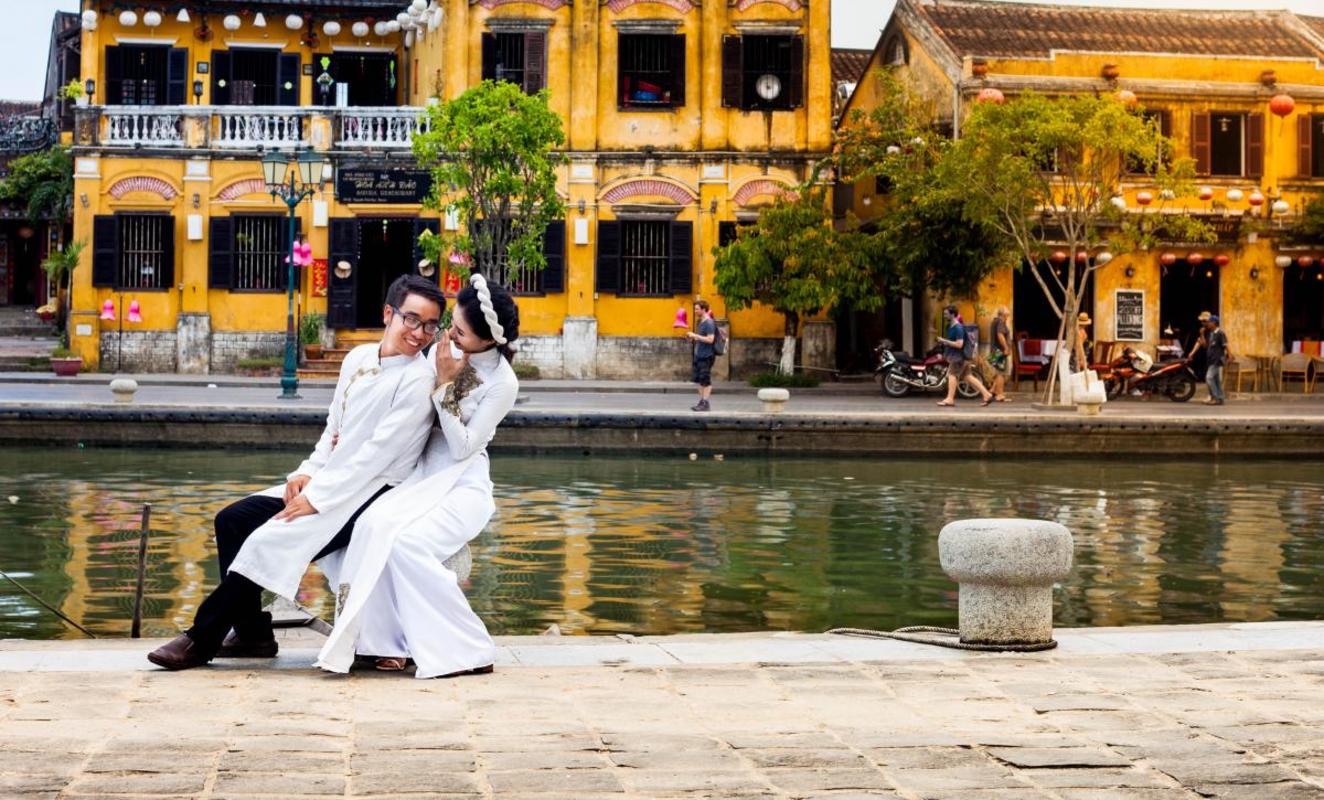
492	154
42	183
59	266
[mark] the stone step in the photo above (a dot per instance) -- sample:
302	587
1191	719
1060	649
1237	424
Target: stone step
322	363
319	373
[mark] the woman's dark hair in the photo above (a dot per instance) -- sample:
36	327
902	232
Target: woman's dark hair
506	310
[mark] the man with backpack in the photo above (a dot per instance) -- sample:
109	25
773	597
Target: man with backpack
960	353
708	345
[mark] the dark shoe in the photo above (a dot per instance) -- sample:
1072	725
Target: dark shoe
702	405
254	640
180	652
487	670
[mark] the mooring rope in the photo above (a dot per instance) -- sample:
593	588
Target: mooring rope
910	634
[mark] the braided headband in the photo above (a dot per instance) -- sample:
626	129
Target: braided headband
485	303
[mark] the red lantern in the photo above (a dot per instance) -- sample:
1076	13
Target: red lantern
1282	104
1168	259
1256	198
1206	193
990	95
1058	256
1305	261
1221	259
1194	259
1144	198
1082	257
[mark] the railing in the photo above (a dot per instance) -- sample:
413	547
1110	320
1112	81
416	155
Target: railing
380	127
150	126
243	127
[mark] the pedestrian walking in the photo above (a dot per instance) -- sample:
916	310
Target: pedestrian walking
1082	351
958	365
704	353
1198	350
1216	357
999	352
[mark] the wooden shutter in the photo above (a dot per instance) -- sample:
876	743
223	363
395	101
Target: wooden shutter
795	90
1254	145
553	249
177	76
113	93
535	62
167	223
682	257
220	73
733	78
1305	157
287	71
105	250
220	259
678	70
608	278
489	57
1200	142
426	224
340	307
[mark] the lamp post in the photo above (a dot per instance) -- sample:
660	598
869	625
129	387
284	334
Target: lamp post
292	187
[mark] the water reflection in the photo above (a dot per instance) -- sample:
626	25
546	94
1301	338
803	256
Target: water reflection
664	545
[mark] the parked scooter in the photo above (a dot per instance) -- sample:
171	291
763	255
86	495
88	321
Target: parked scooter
899	374
1129	373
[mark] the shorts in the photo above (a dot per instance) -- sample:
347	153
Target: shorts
958	366
1000	367
703	371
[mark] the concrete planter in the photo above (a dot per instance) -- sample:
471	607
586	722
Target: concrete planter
66	367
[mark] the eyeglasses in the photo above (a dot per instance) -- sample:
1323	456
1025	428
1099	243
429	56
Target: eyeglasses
413	322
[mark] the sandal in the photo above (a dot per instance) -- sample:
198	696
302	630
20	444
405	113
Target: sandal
1004	399
988	402
391	664
946	404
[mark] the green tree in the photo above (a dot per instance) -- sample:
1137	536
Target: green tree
492	155
59	266
795	262
42	183
1045	173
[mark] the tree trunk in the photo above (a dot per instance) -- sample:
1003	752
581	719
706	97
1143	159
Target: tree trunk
787	364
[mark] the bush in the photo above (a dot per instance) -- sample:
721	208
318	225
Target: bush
63	352
764	380
310	328
526	372
260	363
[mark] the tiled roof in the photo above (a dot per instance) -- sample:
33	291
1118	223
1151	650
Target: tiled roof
21	108
848	65
314	5
1010	30
1316	23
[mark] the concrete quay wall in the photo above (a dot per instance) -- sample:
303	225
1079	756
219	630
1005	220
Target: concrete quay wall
735	433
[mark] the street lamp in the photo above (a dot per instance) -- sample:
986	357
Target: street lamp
291	186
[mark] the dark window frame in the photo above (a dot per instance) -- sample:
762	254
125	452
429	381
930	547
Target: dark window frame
1219	147
279	224
1165	153
746	57
130	243
640	234
665	65
528	48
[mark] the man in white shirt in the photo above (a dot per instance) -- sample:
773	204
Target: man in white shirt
377	425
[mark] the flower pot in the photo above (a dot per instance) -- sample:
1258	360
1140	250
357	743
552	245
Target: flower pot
66	367
312	351
81	100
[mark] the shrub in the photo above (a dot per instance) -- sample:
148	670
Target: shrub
526	372
260	363
764	380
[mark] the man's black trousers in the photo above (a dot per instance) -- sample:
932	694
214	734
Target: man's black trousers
237	601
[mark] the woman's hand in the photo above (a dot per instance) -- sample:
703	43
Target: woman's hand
448	367
298	507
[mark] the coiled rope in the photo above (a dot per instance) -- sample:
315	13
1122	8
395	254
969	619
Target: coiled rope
912	634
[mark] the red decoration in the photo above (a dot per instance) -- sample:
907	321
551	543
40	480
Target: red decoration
1282	104
1082	257
1256	198
1194	259
1058	256
319	277
1206	193
1168	259
1144	198
990	95
450	283
1221	259
1305	261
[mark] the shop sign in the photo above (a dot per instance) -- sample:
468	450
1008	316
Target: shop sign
319	277
1129	313
406	186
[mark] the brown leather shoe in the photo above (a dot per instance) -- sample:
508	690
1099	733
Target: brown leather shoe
180	652
235	647
487	670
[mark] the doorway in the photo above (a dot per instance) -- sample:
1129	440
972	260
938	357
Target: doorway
386	251
357	79
1031	313
1303	304
1185	290
25	270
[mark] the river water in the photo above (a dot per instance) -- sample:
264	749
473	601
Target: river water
658	544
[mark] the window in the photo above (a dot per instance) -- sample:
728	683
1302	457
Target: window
146	75
355	79
645	254
762	72
645	258
1310	144
522	280
895	52
261	245
1162	120
1228	143
651	70
255	77
133	251
520	58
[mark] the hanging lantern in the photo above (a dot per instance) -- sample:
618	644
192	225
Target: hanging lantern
1168	259
1256	198
1282	104
231	22
294	22
108	310
1221	260
359	29
1103	258
1283	262
1206	193
259	21
990	95
1058	257
1235	195
1281	207
135	312
89	20
1305	261
1167	194
1195	259
402	19
1127	98
1144	198
183	16
379	28
1082	257
128	19
419	6
392	27
151	18
1118	202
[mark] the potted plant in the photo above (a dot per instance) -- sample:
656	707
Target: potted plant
310	333
73	90
65	362
59	265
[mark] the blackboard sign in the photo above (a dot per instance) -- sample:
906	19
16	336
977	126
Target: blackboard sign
382	185
1129	311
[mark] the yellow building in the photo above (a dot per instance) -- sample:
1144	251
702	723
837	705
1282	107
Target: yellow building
1209	78
682	119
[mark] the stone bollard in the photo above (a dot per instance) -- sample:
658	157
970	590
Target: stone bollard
1006	569
123	389
773	400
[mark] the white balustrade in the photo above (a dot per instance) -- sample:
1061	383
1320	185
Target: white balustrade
243	127
380	127
148	126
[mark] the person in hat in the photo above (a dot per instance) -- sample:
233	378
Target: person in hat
1197	350
1083	323
1216	357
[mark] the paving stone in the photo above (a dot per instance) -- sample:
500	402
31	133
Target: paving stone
239	783
955	778
550	759
797	757
515	744
928	757
137	783
759	740
294	744
1034	757
1123	794
982	794
654	781
269	761
397	783
687	761
797	781
1104	778
409	761
643	743
26	763
1198	771
546	780
1286	790
27	786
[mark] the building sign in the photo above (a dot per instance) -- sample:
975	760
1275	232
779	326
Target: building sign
382	185
319	277
1129	313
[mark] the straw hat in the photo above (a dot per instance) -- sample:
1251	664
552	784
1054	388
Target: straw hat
1204	316
1084	319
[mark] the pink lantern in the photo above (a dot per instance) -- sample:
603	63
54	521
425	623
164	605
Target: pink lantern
1305	261
303	254
1221	259
1282	104
1082	257
682	318
1144	198
135	312
108	310
1058	256
990	95
1168	259
1255	198
1195	259
456	257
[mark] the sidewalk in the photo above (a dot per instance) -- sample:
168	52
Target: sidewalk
1222	711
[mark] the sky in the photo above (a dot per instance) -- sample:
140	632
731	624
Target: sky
855	23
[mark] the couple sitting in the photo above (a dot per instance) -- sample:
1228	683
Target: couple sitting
397	484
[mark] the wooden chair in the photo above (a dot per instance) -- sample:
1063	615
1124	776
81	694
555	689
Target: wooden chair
1029	361
1241	368
1296	364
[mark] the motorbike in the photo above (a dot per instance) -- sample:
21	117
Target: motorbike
1174	379
898	373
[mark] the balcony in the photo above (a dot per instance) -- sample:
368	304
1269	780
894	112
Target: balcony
248	128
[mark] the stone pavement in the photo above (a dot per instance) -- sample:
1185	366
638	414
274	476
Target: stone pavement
1224	711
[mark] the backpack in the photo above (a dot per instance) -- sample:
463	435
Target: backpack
971	347
719	342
